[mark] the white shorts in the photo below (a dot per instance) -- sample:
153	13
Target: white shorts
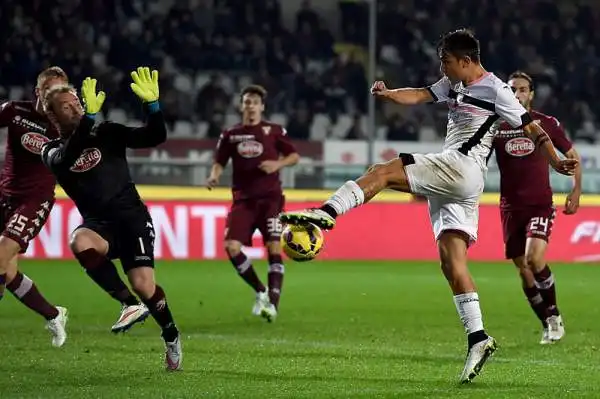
452	183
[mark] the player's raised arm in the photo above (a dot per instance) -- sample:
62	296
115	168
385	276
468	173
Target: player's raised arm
436	93
222	155
64	153
510	109
563	166
154	131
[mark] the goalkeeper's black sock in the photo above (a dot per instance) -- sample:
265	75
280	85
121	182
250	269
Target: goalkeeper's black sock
104	273
159	309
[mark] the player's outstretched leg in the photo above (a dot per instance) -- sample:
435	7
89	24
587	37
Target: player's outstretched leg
452	246
544	282
143	283
246	271
90	250
352	194
25	290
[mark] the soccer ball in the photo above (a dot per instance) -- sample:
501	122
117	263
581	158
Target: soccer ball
302	243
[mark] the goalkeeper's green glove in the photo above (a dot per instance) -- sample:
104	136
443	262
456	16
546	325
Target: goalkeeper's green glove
92	101
145	85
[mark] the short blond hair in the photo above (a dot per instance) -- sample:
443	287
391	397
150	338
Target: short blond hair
52	72
54	90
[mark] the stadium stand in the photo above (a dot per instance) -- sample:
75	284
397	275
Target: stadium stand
315	75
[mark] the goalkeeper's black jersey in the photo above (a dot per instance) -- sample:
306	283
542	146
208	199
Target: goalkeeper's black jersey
91	165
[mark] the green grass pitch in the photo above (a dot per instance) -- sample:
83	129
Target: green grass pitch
346	329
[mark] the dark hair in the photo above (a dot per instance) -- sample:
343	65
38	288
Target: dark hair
522	75
256	90
459	43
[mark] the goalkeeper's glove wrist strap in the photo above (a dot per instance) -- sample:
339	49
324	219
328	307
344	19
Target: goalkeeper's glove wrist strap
91	116
153	106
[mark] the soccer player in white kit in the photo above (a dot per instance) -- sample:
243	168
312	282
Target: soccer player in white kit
452	180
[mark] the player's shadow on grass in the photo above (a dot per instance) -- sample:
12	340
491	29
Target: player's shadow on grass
272	352
440	381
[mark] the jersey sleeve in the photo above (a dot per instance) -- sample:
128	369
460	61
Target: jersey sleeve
440	90
6	113
509	108
557	134
153	133
223	150
284	144
63	154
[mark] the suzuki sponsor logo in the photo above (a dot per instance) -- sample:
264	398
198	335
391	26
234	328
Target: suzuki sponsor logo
19	120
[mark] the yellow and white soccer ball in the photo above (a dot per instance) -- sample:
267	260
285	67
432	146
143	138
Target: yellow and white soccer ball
302	243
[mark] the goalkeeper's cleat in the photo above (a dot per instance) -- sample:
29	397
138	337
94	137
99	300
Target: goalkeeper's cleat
555	330
315	216
129	316
261	302
269	313
173	355
477	355
57	327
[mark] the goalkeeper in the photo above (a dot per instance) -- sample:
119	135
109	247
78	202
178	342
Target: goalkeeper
89	162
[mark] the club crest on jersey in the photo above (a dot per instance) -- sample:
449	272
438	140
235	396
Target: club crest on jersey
33	142
519	146
250	149
88	159
266	130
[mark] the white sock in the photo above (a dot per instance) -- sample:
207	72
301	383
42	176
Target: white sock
468	309
349	196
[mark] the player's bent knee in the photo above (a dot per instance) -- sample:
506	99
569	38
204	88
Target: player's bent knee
274	247
9	249
390	174
12	269
534	260
233	247
83	239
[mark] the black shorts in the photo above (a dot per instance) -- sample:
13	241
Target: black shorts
130	238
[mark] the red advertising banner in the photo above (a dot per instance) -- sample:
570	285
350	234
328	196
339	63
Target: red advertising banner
391	231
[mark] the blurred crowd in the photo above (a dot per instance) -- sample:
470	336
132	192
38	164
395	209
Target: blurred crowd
207	49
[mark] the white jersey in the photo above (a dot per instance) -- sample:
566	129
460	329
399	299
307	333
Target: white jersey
475	113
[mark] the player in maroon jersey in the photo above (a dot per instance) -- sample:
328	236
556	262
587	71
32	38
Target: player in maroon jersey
526	207
27	196
258	150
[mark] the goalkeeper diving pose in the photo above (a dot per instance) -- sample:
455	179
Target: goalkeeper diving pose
89	162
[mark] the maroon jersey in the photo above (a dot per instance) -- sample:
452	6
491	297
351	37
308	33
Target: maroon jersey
524	174
248	146
24	174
